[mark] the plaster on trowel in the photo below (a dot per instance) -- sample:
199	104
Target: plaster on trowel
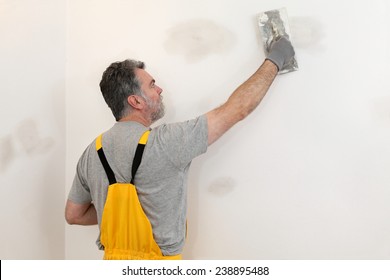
274	24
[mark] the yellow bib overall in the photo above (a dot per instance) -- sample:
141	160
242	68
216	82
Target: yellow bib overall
125	231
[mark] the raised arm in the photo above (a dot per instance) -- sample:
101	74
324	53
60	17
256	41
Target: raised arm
249	94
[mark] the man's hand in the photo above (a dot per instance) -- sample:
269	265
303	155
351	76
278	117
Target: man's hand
281	52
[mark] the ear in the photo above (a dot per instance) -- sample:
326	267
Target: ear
135	101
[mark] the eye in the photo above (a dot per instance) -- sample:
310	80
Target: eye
152	83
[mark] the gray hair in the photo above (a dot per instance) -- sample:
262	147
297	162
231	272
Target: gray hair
118	83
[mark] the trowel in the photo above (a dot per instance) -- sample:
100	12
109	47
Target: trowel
274	24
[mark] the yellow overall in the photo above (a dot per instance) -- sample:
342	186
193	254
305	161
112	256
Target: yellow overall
126	232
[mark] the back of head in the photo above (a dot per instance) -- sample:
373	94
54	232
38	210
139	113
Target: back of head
119	82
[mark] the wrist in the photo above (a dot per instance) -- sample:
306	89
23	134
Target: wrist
272	64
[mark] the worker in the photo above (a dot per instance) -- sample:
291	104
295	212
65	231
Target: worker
132	179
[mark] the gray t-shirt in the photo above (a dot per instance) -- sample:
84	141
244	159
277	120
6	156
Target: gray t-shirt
161	179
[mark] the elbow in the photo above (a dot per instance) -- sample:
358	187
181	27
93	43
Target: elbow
71	215
70	219
80	214
242	113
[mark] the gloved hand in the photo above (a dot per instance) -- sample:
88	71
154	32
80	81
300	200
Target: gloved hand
281	52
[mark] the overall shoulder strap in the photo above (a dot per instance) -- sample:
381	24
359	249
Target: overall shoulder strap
103	160
138	154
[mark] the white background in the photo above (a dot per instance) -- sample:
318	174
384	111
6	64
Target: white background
306	176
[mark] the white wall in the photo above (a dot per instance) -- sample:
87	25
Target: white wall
32	135
306	176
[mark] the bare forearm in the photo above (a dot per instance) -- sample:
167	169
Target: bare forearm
90	216
242	101
249	95
80	214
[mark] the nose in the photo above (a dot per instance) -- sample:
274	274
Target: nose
159	90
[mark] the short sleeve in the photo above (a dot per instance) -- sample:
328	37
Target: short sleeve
183	141
80	192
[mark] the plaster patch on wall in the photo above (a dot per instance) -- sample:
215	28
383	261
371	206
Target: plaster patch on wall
307	33
30	139
197	39
222	186
7	152
26	139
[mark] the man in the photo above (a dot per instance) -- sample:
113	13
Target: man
142	212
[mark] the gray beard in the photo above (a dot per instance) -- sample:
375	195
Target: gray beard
159	113
157	108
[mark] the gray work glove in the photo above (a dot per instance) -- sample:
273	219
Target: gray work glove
281	52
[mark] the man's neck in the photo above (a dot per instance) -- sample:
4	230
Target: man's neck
136	118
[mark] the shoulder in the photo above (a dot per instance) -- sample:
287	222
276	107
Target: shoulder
198	123
194	129
181	141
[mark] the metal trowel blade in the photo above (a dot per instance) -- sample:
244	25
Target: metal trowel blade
273	24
